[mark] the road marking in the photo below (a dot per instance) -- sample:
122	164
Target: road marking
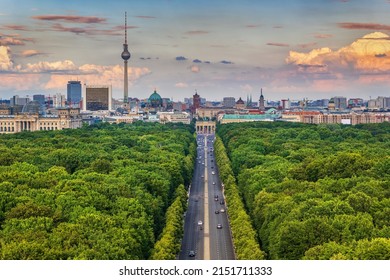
206	239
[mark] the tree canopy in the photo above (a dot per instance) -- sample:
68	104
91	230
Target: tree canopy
314	191
99	192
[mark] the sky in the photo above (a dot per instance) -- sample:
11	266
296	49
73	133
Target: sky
291	49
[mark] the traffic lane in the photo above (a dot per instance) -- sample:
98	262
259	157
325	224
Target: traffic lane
222	238
193	237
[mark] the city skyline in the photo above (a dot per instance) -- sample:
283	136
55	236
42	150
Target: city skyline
290	49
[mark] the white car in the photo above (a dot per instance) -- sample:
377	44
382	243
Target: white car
200	223
212	172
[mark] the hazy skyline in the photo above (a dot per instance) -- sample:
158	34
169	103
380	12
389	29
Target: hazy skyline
291	49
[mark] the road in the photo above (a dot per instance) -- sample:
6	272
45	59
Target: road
205	203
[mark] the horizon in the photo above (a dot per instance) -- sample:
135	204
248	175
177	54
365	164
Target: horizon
292	50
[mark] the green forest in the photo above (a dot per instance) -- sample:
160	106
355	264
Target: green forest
99	192
312	191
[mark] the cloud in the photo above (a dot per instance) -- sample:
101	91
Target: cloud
146	17
16	27
9	41
98	74
195	69
49	67
115	31
74	19
6	64
226	62
12	81
181	85
246	88
197	61
307	45
367	26
278	44
180	58
369	54
30	53
323	36
197	32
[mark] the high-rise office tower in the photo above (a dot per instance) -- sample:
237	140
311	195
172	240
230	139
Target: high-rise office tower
97	97
73	96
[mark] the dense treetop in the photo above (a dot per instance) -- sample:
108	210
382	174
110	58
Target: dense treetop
99	192
314	191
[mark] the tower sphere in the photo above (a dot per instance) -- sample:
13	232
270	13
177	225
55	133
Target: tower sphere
126	54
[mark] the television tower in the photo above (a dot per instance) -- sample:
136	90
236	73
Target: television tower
125	56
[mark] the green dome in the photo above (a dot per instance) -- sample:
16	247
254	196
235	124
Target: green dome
155	97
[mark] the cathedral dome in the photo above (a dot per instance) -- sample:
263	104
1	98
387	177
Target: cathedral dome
155	96
155	100
240	101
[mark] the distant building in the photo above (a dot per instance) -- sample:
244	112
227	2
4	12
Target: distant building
240	104
229	102
381	103
155	100
269	115
16	100
195	102
355	102
340	103
261	101
40	98
64	118
97	98
286	104
73	94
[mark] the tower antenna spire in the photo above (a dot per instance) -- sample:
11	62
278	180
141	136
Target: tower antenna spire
126	28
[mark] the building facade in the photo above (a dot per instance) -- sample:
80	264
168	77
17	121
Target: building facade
65	118
97	98
73	94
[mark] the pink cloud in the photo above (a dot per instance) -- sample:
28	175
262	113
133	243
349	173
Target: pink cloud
30	53
16	27
20	81
10	41
181	85
75	19
195	69
278	44
368	26
323	36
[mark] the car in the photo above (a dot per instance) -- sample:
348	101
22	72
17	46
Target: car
222	210
212	172
200	223
222	202
191	254
217	211
213	183
219	226
216	198
202	176
215	195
